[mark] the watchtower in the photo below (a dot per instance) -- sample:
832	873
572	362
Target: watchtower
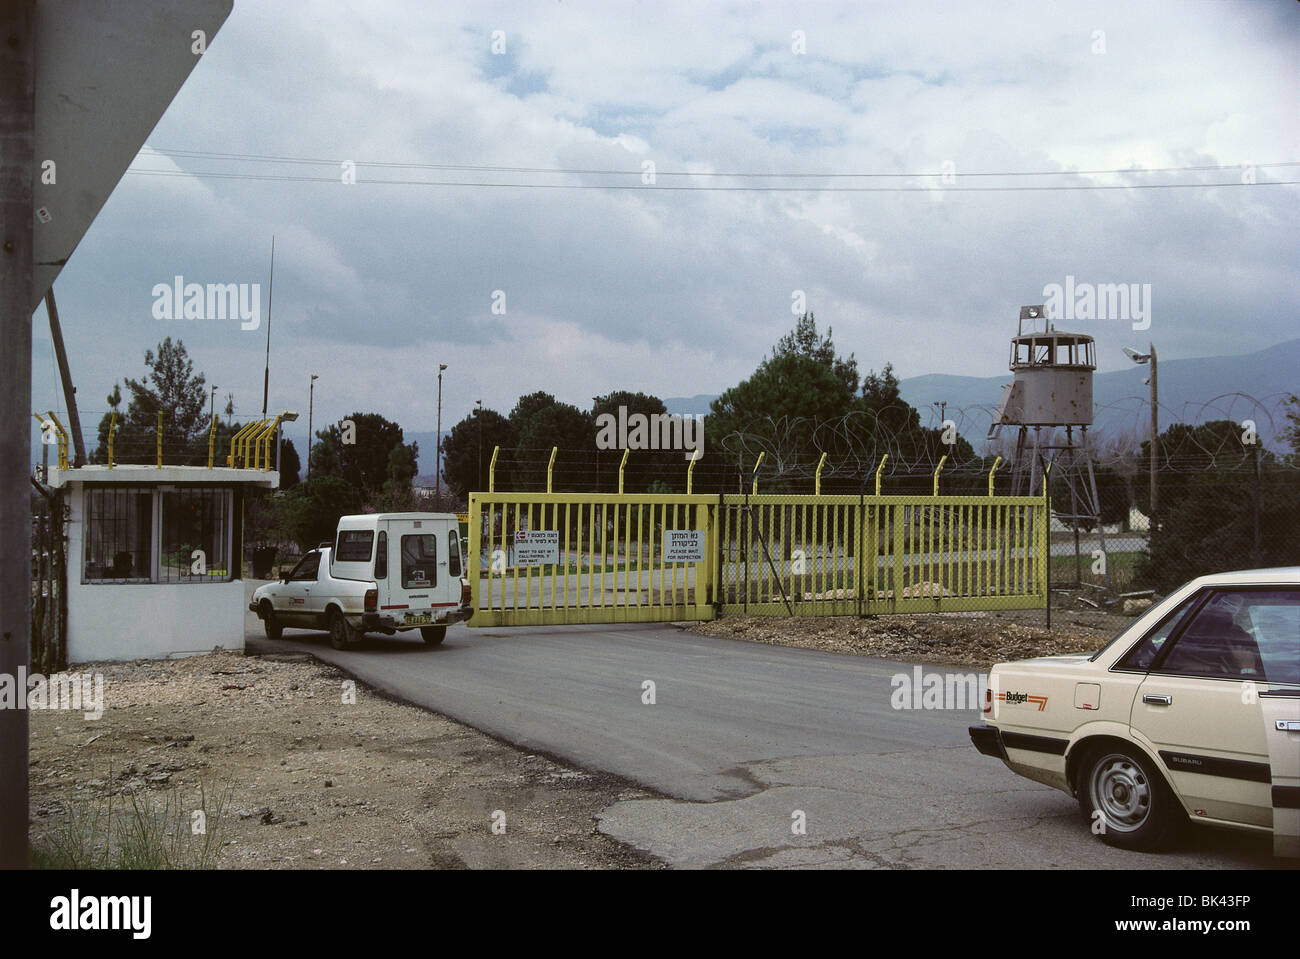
1052	391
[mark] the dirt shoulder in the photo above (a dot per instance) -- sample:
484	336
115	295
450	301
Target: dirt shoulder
975	639
310	780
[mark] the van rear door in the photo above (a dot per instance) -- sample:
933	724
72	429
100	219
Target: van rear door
420	584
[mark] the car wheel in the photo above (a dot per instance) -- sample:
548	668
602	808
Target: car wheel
274	629
433	635
1125	800
342	635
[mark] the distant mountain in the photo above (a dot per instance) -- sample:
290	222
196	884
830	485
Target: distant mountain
1190	391
689	405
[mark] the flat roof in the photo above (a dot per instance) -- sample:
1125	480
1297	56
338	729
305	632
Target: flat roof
141	475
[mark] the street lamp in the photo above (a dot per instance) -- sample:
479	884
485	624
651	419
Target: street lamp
311	397
212	404
1141	359
437	468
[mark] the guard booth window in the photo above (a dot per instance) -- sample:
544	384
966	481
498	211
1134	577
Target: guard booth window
195	536
419	561
119	536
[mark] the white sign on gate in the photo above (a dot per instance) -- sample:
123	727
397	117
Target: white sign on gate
683	546
537	547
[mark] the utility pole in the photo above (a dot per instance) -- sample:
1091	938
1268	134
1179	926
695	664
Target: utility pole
212	404
437	469
1142	359
17	276
65	374
311	399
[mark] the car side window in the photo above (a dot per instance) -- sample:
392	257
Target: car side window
453	553
306	569
1142	655
1229	634
381	557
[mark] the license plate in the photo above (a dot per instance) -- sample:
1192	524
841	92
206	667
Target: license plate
418	619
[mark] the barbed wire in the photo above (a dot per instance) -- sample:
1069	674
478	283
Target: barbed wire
855	443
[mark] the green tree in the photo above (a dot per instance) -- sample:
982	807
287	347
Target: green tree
357	449
170	385
467	451
542	423
290	465
310	512
1213	499
643	466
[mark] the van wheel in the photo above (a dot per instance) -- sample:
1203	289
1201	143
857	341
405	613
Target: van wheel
342	635
273	627
433	635
1120	790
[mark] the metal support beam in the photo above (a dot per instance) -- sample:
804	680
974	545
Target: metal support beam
17	162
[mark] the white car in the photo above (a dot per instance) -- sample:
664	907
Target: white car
1190	714
384	572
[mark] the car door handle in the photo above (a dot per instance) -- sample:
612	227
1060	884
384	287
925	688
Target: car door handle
1288	725
1153	699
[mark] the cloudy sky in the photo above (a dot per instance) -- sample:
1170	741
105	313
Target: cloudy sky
679	286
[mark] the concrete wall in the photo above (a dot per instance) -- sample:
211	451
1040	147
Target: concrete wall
124	621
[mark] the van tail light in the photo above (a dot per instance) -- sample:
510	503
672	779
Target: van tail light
464	592
372	600
988	700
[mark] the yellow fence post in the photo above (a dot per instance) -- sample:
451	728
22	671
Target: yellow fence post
690	470
817	481
755	473
250	438
550	467
159	439
996	463
475	523
878	469
62	438
937	470
265	438
1044	539
212	438
492	470
112	429
621	464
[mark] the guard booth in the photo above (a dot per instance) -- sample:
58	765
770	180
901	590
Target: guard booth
155	553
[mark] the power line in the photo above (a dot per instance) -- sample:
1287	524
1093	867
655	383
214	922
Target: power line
715	189
264	158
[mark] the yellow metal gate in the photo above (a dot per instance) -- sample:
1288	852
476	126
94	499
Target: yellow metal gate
554	558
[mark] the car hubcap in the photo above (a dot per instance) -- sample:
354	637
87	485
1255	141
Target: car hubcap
1122	792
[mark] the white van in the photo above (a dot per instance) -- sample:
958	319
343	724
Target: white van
413	561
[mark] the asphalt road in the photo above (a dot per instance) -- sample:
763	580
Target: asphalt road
745	741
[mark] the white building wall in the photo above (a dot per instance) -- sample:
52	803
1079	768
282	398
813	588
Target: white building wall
125	621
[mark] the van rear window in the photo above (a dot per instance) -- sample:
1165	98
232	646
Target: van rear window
419	561
353	545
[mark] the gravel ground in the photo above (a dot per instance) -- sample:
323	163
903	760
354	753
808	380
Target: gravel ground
310	781
978	639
